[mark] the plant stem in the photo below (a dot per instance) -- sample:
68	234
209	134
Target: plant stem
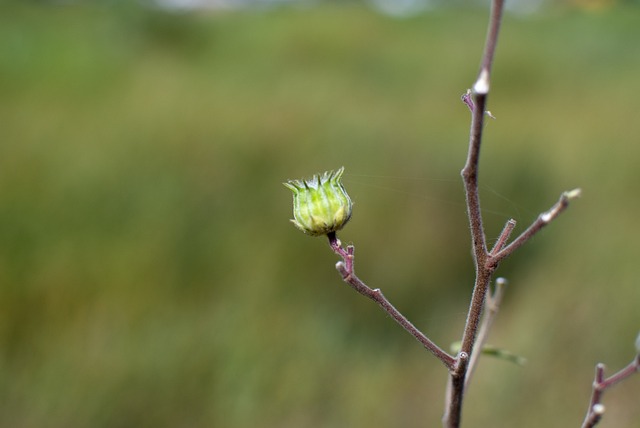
469	174
485	262
542	220
503	238
492	305
346	269
600	385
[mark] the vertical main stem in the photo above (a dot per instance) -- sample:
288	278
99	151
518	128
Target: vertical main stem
453	411
475	312
470	178
497	6
455	394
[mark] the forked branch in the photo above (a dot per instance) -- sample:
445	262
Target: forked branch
485	262
491	306
322	206
601	384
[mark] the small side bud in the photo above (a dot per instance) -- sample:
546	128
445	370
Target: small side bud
598	409
321	205
468	99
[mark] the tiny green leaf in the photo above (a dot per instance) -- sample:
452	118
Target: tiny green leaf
495	352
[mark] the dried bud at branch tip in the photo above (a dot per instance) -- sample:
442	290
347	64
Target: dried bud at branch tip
321	205
573	194
562	204
501	281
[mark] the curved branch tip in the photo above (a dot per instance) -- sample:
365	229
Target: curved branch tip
573	194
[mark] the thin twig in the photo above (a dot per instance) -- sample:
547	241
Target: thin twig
346	269
600	385
503	238
492	305
535	227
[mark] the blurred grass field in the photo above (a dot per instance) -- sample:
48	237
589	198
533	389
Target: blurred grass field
148	273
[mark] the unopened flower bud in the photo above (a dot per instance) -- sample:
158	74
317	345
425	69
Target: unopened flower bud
321	205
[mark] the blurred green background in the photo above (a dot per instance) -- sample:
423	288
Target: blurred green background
149	276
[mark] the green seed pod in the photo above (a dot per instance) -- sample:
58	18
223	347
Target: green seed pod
320	205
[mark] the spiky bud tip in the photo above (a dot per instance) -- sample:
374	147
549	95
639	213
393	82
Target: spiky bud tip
321	205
